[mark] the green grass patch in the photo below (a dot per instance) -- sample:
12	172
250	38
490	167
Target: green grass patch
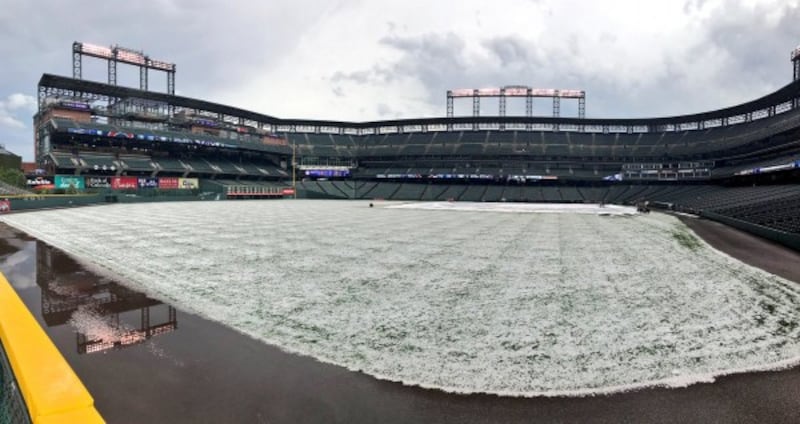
687	240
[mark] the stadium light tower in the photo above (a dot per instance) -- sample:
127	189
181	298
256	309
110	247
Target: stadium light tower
116	54
796	62
516	91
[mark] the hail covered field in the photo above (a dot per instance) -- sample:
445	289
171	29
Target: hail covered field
479	299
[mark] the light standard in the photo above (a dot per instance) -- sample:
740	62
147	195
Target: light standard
294	169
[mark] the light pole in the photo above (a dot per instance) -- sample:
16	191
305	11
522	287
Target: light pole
294	169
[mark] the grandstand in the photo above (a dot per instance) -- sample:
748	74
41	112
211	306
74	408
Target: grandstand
740	162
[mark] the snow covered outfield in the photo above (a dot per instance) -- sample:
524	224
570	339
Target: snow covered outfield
474	301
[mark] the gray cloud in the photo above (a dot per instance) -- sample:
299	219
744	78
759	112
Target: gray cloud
755	53
215	47
511	50
358	77
735	50
755	47
385	111
434	59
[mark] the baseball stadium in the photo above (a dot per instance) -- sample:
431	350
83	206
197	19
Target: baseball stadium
178	260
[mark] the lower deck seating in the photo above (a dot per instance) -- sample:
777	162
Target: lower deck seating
169	164
97	162
772	206
779	213
136	163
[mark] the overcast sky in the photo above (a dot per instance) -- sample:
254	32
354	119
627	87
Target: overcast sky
364	60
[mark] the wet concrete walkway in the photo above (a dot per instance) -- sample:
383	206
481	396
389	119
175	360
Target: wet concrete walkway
144	362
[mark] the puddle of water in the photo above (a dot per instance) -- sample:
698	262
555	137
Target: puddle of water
101	314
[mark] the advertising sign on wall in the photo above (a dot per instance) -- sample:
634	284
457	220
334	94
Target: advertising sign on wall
124	183
188	183
5	206
98	182
34	182
168	182
327	172
148	182
67	181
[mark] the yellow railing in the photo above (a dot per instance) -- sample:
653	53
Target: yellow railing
52	391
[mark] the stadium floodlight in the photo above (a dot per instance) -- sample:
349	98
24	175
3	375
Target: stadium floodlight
516	91
543	92
461	92
117	54
97	51
572	94
489	92
164	66
136	58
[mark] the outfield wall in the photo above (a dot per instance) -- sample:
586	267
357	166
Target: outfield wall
52	392
22	203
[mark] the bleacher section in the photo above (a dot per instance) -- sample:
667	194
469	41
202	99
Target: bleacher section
742	163
169	165
98	162
727	171
714	198
266	169
776	207
199	165
567	155
225	166
172	135
136	163
65	160
779	213
544	144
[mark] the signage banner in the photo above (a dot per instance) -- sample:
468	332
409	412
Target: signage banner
327	172
98	182
124	183
188	183
67	181
39	181
148	182
168	182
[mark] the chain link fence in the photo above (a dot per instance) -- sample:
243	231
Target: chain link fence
12	406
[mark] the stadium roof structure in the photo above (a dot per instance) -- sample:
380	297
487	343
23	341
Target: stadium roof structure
785	98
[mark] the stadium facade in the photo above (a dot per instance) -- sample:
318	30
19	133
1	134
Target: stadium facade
105	136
